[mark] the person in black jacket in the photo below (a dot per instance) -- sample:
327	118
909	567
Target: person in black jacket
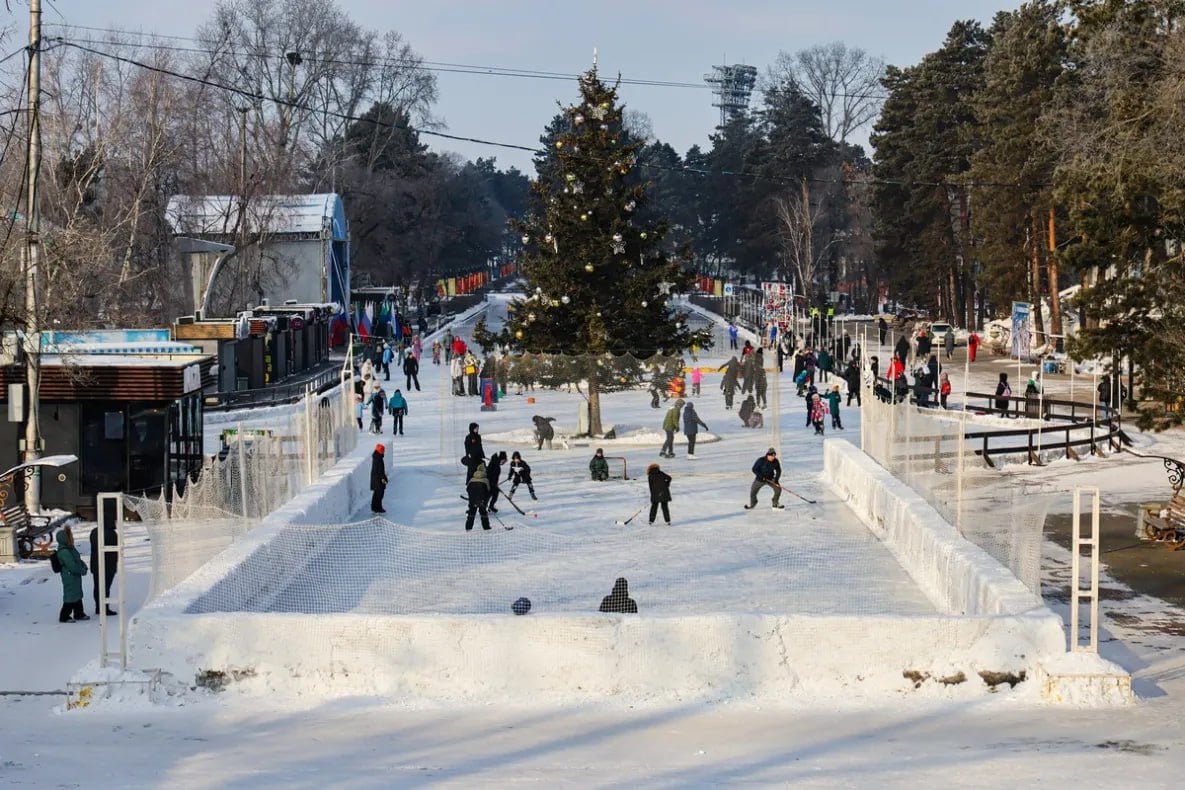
768	471
478	490
110	561
619	601
660	493
494	474
851	375
378	479
474	454
411	370
520	474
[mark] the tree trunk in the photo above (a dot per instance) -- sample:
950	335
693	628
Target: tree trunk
1035	279
1055	300
594	406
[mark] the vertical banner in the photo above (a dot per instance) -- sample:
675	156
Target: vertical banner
1021	330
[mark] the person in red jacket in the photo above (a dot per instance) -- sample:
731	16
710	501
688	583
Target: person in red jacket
972	345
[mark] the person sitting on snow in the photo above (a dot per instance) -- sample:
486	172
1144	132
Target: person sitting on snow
619	601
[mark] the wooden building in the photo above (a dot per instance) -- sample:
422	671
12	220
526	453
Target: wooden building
131	410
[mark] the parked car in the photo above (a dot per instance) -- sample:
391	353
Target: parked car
939	329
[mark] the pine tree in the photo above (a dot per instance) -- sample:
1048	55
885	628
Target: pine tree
600	277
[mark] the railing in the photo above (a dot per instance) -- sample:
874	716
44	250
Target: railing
1085	429
272	396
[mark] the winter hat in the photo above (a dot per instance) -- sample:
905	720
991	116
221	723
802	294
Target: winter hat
679	402
472	427
378	448
771	451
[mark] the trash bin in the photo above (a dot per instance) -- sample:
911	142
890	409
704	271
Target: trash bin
489	394
1032	407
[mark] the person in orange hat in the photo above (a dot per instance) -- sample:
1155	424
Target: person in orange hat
378	478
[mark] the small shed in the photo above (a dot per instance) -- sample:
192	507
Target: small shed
307	236
129	405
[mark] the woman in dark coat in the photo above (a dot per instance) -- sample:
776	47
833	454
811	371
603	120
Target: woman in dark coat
660	493
73	569
378	479
474	454
619	601
1003	392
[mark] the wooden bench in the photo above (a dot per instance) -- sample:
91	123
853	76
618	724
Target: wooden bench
1166	524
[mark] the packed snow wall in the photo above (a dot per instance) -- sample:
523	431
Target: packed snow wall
987	632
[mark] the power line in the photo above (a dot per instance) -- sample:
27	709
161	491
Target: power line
444	67
258	97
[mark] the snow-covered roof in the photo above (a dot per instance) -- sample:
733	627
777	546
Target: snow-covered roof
203	215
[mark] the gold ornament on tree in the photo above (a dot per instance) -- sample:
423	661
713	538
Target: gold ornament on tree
588	267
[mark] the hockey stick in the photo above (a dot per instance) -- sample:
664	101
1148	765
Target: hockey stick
521	512
631	518
776	485
495	515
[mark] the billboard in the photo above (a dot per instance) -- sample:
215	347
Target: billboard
1022	330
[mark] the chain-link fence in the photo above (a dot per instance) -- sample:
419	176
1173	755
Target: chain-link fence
926	449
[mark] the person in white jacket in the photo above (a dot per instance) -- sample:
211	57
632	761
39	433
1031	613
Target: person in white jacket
456	373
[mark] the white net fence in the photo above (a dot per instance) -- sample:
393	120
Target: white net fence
261	466
925	448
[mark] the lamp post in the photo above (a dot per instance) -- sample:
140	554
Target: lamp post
8	551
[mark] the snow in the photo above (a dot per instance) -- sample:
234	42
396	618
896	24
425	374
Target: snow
954	736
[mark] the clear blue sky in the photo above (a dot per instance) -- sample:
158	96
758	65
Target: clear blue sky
668	40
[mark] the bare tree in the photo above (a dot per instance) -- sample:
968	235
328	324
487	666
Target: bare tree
799	218
843	82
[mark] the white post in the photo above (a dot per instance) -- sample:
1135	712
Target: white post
1076	591
101	580
310	446
242	467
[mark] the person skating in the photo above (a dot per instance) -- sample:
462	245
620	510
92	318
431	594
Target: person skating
359	409
598	467
670	426
691	425
477	488
818	413
748	406
728	384
767	471
378	405
760	386
902	349
660	493
110	562
378	479
972	346
882	328
833	399
948	343
619	601
411	371
474	454
494	476
809	398
73	569
732	335
398	408
944	389
520	474
387	356
697	378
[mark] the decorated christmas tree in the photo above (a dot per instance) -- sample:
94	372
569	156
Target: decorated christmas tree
600	281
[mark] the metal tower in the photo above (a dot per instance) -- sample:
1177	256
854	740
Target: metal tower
732	85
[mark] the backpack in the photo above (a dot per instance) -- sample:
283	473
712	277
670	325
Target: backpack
55	564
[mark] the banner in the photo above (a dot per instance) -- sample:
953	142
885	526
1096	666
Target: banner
1021	329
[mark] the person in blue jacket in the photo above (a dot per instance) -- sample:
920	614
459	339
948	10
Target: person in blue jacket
398	408
73	569
767	471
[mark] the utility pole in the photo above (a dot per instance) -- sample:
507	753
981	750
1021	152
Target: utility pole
32	259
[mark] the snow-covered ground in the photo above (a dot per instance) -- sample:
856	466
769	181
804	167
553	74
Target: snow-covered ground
990	741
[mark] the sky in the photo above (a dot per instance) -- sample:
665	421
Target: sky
664	40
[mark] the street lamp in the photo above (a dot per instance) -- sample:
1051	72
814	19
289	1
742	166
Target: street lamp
7	532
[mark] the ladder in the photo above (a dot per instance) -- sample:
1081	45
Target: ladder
1091	594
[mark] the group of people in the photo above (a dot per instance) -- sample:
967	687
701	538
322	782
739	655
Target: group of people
371	399
68	564
691	423
482	478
